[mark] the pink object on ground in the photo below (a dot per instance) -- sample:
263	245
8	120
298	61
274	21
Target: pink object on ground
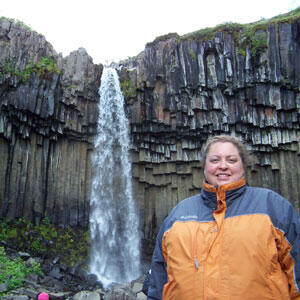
43	296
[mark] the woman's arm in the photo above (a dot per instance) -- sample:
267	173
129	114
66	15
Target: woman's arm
289	250
158	274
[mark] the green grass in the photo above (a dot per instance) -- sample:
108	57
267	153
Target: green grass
13	272
210	32
163	38
46	66
234	28
127	87
19	23
46	240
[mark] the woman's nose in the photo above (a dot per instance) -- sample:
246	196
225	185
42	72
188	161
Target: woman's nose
223	164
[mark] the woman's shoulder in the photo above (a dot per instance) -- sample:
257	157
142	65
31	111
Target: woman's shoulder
261	191
271	202
188	203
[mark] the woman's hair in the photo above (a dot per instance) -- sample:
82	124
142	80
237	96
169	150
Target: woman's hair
243	152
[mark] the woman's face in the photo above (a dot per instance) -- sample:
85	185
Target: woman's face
223	164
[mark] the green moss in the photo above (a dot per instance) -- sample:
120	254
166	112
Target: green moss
7	69
19	23
127	87
242	52
192	54
234	28
252	34
46	66
210	32
164	38
287	17
255	34
47	240
256	39
13	272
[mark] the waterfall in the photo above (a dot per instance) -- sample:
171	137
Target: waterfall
115	241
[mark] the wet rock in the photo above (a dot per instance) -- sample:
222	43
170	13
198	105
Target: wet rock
3	287
141	296
25	256
60	295
55	273
86	295
119	294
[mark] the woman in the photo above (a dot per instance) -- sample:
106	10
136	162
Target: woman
229	242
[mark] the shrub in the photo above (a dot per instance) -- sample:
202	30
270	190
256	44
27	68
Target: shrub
45	67
13	272
46	240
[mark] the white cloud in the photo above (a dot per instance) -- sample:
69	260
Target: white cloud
116	29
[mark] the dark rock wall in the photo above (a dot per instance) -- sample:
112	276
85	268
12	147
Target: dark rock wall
178	91
47	122
181	90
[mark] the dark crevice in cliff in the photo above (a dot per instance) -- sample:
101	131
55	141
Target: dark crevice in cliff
6	201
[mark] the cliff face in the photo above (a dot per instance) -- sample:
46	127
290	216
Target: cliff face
47	122
179	90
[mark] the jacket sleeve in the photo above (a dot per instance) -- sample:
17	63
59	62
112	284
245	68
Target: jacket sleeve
289	248
158	273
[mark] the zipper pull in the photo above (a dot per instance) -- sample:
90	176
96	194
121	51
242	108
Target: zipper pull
196	264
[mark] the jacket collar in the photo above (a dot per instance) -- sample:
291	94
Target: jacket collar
226	187
228	192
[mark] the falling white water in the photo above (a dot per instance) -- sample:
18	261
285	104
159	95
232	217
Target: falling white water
115	242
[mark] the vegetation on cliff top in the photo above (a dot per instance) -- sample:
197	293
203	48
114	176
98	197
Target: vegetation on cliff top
247	30
19	23
45	66
164	37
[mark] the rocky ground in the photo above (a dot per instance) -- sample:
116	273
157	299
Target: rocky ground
62	282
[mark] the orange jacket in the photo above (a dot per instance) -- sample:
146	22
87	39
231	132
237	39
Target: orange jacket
234	243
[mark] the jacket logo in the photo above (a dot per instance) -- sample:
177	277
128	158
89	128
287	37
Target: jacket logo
188	217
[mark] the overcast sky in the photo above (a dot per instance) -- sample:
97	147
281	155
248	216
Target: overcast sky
117	29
